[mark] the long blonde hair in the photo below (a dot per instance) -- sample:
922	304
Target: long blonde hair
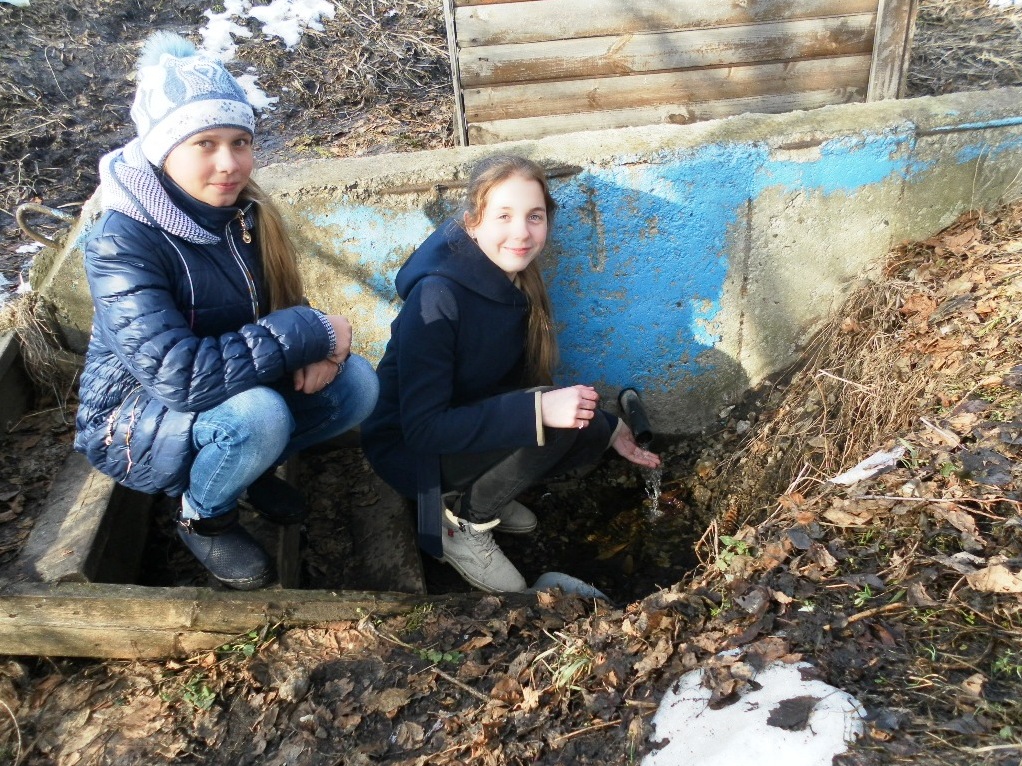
280	258
541	343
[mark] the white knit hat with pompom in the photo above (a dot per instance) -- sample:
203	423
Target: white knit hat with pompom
182	92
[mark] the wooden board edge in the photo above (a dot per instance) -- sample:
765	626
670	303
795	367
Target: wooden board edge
101	621
460	127
892	47
16	389
534	128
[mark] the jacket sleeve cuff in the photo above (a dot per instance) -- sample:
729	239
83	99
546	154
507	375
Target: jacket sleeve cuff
540	433
616	432
331	335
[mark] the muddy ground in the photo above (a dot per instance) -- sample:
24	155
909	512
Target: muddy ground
902	589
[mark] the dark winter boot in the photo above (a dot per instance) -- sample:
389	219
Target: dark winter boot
227	550
276	500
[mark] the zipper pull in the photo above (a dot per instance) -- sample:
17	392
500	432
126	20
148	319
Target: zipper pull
246	235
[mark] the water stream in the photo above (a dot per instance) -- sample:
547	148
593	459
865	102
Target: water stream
653	478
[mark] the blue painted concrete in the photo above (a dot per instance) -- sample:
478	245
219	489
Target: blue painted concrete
983	149
384	239
644	251
640	253
846	164
641	266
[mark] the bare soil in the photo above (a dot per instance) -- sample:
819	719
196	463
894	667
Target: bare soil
902	589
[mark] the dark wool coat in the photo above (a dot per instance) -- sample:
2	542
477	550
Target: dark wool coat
178	328
452	376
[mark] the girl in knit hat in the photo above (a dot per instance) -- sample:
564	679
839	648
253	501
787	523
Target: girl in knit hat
206	368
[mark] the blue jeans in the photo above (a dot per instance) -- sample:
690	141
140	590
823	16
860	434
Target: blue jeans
240	439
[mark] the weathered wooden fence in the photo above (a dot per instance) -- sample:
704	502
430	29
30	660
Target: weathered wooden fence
533	68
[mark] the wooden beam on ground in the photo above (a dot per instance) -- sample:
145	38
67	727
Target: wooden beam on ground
137	622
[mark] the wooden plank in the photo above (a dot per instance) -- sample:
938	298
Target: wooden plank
630	54
495	24
896	20
289	557
132	621
668	114
128	644
608	93
460	128
16	389
289	537
67	539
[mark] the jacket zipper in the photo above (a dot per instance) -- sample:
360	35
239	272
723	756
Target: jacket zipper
249	281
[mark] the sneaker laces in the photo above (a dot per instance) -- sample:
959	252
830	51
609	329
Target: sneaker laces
478	531
482	536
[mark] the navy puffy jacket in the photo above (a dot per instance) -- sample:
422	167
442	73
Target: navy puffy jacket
178	328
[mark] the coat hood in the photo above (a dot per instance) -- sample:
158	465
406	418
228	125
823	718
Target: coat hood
450	252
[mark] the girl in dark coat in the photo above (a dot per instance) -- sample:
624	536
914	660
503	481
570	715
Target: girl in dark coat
205	369
467	418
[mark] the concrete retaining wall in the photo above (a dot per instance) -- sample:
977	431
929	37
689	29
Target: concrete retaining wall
687	261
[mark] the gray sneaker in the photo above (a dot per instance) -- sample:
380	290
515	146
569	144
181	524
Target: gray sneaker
516	519
471	550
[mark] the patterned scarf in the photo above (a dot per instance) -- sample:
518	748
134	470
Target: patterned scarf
130	186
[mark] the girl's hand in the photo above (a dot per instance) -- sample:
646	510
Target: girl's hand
571	407
316	376
342	329
627	448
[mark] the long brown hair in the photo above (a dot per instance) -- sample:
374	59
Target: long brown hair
541	343
280	259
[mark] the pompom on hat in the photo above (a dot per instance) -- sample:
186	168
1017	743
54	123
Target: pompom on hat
182	92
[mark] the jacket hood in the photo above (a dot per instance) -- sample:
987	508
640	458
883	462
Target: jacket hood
449	252
130	186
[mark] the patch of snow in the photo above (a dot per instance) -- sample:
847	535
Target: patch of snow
256	96
219	33
1005	3
740	735
286	19
31	247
